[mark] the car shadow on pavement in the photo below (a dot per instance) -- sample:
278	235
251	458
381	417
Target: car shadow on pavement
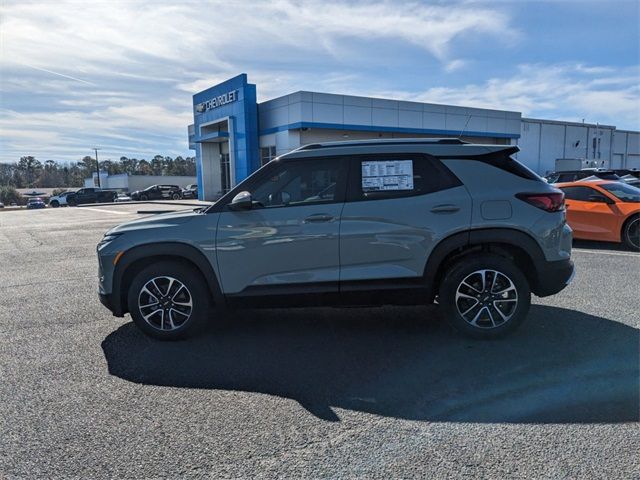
595	245
562	366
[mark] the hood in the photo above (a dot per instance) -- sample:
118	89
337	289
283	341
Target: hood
162	220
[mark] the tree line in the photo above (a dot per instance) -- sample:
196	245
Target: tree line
29	172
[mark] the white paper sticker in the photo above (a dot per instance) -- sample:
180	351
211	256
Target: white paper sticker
387	175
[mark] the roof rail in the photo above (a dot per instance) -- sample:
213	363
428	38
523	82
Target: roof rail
388	141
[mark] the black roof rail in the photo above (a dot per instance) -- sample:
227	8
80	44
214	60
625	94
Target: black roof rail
389	141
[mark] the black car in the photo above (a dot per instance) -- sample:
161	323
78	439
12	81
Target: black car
158	192
190	191
91	195
575	175
35	203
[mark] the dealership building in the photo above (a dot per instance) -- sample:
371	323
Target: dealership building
233	135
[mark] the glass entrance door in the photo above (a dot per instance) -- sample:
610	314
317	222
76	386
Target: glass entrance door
225	173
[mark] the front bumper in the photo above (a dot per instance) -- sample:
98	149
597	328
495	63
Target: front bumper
108	301
553	277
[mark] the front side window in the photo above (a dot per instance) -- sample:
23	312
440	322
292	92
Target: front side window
300	182
581	194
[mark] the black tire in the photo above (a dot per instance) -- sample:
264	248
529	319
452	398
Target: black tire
176	196
631	233
196	291
481	304
144	198
54	204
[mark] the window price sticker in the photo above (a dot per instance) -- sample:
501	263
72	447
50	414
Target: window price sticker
387	175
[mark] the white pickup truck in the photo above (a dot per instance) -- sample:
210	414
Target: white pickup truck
59	200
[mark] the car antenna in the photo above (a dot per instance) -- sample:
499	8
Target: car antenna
465	127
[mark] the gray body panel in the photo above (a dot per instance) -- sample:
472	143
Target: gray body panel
186	227
499	207
392	238
278	246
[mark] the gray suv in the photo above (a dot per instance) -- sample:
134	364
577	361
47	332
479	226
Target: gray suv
351	223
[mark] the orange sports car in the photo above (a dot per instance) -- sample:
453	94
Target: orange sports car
603	210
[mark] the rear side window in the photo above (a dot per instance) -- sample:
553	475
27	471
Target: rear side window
502	160
508	164
397	175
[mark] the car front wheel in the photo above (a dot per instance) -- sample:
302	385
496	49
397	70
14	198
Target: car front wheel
169	300
176	196
55	204
485	296
631	233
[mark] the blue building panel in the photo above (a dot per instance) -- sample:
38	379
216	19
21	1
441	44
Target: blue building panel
227	111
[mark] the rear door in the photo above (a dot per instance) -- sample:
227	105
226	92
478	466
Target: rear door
398	208
289	241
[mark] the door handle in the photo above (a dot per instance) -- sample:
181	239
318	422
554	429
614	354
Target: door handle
445	208
318	218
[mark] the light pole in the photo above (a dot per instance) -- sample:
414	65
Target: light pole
95	149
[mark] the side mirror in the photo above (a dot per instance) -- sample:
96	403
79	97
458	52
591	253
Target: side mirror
242	201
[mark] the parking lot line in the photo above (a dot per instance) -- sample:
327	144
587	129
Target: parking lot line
108	211
600	252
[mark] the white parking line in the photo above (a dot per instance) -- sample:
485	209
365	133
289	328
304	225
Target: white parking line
109	211
601	252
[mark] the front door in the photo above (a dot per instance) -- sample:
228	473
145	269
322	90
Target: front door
590	215
288	242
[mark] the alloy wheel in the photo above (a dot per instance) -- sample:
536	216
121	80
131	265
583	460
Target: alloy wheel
165	303
633	233
486	299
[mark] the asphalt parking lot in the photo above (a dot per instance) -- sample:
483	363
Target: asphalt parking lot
310	392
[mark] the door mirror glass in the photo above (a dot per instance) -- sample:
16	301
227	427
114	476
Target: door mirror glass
242	201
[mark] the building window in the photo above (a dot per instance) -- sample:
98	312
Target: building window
267	154
225	173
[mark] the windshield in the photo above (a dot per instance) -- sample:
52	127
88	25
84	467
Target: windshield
626	193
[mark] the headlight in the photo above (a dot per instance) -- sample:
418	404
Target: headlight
108	239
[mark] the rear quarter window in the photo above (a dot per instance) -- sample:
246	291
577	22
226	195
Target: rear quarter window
397	175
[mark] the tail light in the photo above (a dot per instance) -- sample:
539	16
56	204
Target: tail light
549	202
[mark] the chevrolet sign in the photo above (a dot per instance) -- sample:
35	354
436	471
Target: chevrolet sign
218	101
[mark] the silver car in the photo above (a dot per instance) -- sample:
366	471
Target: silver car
351	223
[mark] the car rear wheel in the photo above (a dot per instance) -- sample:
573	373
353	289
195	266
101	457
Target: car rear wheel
169	300
485	296
54	204
631	233
176	196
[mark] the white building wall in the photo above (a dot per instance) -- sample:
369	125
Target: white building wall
130	183
543	142
344	111
342	117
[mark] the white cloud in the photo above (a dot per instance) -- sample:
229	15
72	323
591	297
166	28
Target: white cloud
567	91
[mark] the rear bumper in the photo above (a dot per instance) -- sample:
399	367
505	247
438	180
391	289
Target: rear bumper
553	277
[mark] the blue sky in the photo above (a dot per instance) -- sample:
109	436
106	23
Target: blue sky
120	74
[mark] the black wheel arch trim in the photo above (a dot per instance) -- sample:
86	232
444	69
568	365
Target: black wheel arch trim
163	249
477	237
